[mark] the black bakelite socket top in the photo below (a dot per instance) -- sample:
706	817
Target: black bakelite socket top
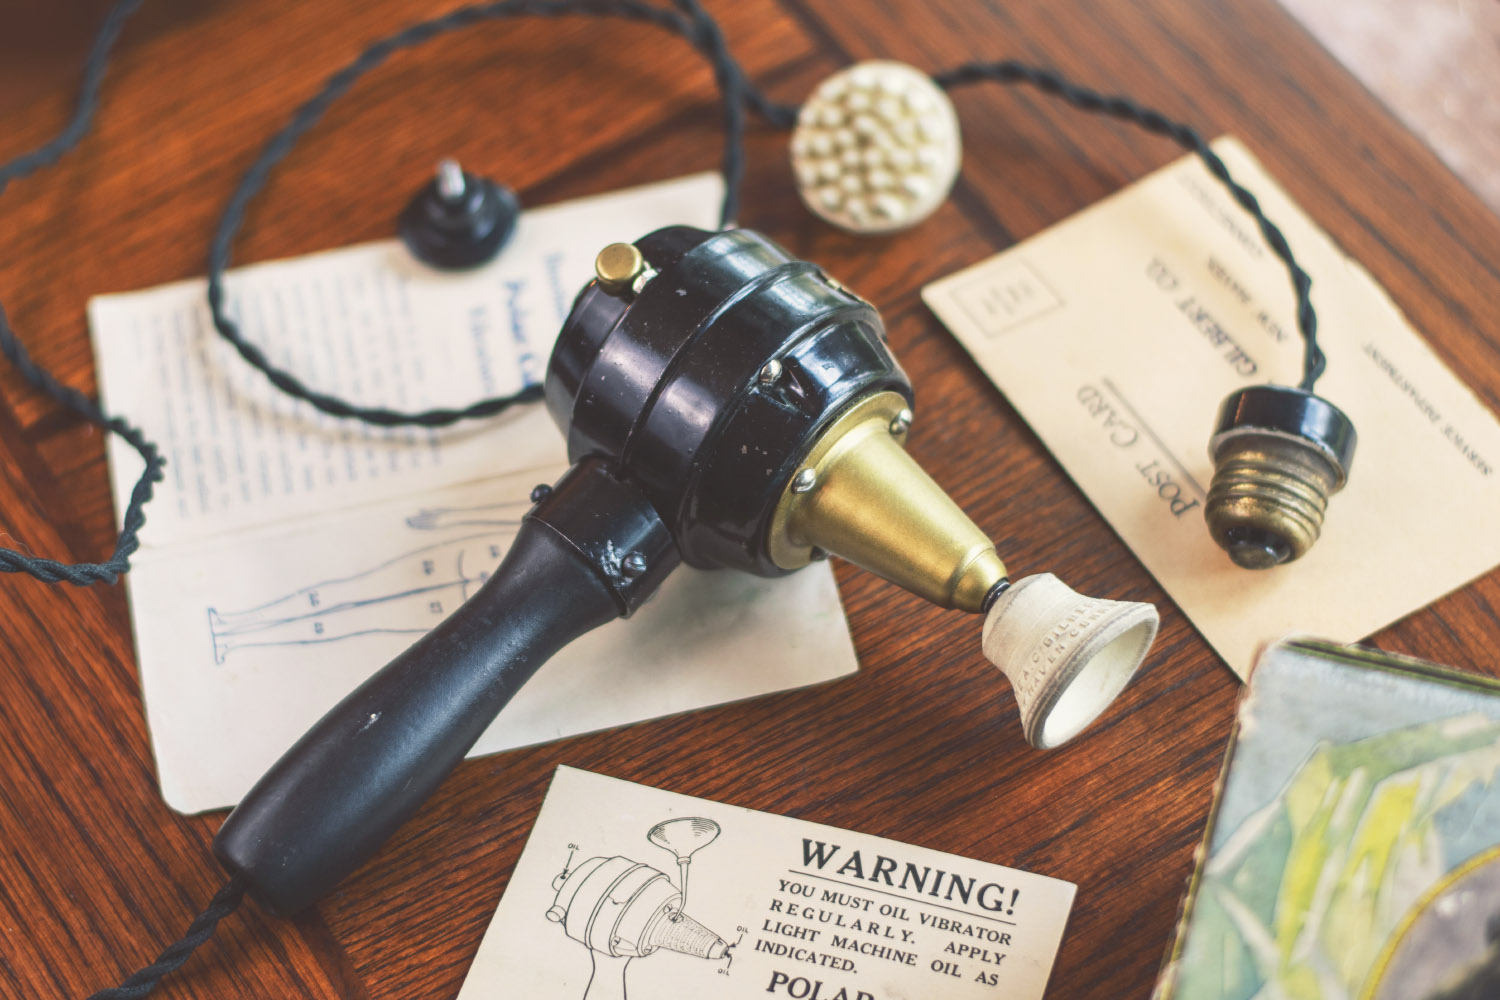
1293	413
459	220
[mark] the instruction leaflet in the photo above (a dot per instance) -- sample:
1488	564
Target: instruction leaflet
625	891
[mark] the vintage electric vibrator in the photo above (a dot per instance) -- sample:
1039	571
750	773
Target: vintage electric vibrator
725	405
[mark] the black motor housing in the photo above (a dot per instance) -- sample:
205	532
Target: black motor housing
667	382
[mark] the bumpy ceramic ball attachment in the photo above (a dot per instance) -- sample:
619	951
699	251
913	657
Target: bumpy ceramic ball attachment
876	147
1067	656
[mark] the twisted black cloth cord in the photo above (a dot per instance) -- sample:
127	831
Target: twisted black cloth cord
737	92
1118	106
710	37
699	28
11	561
88	100
84	574
139	984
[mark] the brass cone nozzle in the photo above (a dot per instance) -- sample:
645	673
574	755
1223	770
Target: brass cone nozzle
858	494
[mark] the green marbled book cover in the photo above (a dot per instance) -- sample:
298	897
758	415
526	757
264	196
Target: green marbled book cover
1354	848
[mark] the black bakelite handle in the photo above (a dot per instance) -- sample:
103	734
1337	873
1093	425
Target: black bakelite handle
591	550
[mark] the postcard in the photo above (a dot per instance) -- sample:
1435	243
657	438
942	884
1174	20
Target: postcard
1117	334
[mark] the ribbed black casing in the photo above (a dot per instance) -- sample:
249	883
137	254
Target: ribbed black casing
666	383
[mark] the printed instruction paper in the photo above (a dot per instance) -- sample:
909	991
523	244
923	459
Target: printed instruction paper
289	555
629	891
1117	334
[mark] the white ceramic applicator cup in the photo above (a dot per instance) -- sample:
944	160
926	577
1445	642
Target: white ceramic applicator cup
1067	656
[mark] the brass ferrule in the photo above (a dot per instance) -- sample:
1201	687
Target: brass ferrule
857	494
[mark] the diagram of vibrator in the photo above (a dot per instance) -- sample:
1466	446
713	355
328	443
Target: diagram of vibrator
622	909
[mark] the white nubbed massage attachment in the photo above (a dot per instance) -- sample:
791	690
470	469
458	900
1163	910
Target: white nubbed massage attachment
1067	656
876	147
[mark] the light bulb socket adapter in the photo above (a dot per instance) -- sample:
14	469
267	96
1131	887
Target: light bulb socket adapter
463	229
1279	453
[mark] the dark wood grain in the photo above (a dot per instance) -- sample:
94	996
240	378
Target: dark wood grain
96	874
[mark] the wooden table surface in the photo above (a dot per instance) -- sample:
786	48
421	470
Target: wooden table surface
96	874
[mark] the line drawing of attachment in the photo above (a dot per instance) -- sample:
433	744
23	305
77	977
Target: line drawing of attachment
684	837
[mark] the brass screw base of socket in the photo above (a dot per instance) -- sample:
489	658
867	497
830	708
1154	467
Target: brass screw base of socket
1269	493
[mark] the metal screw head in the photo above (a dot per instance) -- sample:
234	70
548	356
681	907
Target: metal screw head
804	481
901	423
632	566
450	180
540	492
618	265
770	372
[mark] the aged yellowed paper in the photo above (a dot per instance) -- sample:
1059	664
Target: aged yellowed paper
629	891
1117	333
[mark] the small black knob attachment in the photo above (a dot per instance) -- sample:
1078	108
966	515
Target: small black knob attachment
459	220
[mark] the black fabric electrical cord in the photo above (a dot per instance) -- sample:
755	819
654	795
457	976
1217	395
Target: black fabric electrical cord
698	27
693	23
1126	109
688	19
11	561
139	984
